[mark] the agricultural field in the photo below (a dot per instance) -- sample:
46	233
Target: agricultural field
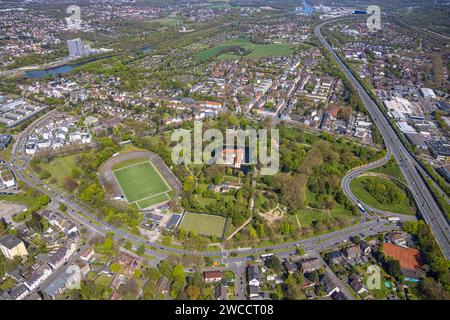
142	184
254	50
203	224
403	206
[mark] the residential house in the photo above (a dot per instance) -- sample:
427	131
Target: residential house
353	252
87	253
212	276
56	260
398	238
19	292
335	257
62	254
310	265
290	267
7	177
162	286
253	276
83	266
129	263
365	248
11	246
253	292
329	286
221	293
338	296
37	277
358	286
67	280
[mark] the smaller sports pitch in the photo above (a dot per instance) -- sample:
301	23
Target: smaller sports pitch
204	224
142	184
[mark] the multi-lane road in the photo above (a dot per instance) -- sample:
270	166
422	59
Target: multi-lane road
425	201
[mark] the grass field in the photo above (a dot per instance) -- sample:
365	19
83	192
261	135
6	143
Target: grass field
358	190
391	169
60	167
256	50
153	200
141	183
130	148
203	224
167	22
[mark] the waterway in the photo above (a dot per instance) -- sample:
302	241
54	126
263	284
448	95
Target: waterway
66	68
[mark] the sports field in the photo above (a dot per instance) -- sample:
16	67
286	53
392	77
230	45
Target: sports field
142	184
203	224
255	50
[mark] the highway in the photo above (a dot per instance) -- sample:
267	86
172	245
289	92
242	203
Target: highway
426	204
355	173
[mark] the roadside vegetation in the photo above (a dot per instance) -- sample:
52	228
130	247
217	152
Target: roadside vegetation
436	285
383	194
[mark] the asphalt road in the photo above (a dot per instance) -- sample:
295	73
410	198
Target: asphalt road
426	204
350	176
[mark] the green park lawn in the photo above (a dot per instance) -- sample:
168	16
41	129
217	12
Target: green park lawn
203	224
358	190
103	280
60	167
167	22
256	50
5	154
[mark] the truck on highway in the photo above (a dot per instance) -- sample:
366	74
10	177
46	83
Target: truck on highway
393	219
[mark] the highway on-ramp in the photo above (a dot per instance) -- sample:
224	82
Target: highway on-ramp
425	201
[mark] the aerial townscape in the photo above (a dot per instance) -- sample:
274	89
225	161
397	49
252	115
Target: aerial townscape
102	199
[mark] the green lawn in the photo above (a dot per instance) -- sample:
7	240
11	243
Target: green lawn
203	224
7	284
104	280
358	190
153	201
20	198
140	181
5	154
60	167
128	163
308	216
167	22
256	50
391	169
130	148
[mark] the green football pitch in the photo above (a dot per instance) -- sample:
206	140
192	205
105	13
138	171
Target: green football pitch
203	224
143	184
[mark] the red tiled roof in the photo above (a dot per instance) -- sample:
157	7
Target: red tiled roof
212	274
